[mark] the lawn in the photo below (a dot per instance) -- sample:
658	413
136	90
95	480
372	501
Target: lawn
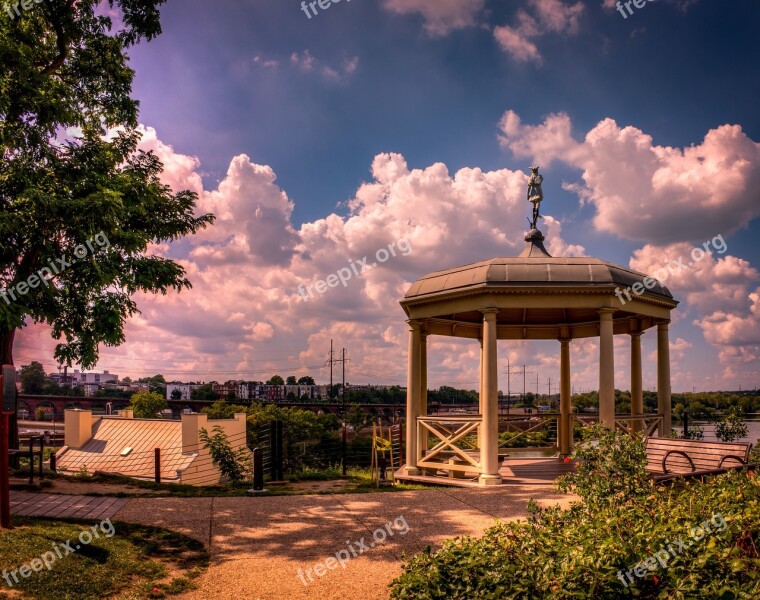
134	562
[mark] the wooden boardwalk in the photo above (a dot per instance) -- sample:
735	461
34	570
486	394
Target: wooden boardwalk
514	471
70	507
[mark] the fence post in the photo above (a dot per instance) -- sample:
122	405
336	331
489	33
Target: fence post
158	465
53	463
279	466
273	450
685	425
258	470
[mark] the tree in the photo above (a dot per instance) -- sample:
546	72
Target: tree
276	380
32	378
291	380
358	419
731	427
204	392
306	380
222	410
80	206
126	380
176	394
148	405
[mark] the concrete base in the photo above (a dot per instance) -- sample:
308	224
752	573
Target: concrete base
489	480
412	471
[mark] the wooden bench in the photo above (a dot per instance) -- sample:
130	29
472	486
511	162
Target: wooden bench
669	458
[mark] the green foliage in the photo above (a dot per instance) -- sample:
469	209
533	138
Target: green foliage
222	410
731	426
235	465
306	380
610	468
533	439
176	394
204	392
291	380
148	405
578	552
309	439
276	380
358	419
72	173
32	378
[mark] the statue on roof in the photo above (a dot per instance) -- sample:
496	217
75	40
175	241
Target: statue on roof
535	195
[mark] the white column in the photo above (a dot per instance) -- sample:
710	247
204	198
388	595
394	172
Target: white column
606	369
637	393
412	398
481	394
423	410
663	377
565	423
489	451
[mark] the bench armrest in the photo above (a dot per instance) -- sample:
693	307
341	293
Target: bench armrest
682	453
731	456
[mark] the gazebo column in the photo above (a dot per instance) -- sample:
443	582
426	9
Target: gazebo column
606	369
489	450
663	377
413	397
423	411
565	423
481	393
637	393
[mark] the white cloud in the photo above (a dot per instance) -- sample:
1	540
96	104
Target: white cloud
440	16
546	16
646	192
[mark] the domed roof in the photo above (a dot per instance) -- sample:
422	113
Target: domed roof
534	269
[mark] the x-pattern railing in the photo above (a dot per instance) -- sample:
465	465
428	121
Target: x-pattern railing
543	420
450	431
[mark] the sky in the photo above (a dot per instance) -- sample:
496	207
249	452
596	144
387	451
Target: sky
319	140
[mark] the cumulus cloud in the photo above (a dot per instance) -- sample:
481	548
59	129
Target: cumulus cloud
244	313
545	16
440	16
646	192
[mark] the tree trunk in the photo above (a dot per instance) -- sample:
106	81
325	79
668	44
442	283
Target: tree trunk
6	358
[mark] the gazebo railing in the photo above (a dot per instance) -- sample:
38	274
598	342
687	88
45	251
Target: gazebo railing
541	422
646	425
448	436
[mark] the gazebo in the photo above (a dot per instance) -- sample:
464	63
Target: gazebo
533	296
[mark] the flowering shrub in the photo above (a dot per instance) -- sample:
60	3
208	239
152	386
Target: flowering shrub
621	519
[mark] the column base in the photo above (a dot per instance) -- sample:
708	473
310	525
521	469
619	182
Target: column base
412	471
489	480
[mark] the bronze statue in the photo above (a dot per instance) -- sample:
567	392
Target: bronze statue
535	195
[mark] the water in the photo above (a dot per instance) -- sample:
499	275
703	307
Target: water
752	435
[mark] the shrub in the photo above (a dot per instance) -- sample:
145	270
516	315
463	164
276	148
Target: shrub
621	520
233	464
731	427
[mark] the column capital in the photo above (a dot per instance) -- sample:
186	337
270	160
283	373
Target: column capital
606	311
564	340
414	325
489	312
663	324
635	334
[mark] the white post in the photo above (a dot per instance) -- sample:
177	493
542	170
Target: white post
489	451
606	369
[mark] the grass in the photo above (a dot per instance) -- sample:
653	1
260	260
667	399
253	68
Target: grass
358	480
136	562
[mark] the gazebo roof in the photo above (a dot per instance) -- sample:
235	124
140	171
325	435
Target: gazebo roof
536	269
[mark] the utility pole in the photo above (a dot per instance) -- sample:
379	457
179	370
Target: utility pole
343	360
509	382
331	361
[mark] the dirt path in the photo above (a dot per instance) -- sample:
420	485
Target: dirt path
261	548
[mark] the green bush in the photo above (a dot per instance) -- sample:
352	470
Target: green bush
622	519
233	464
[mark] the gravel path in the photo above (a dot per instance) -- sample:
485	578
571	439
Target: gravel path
258	545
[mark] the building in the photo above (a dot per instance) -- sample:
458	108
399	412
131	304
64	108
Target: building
127	446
